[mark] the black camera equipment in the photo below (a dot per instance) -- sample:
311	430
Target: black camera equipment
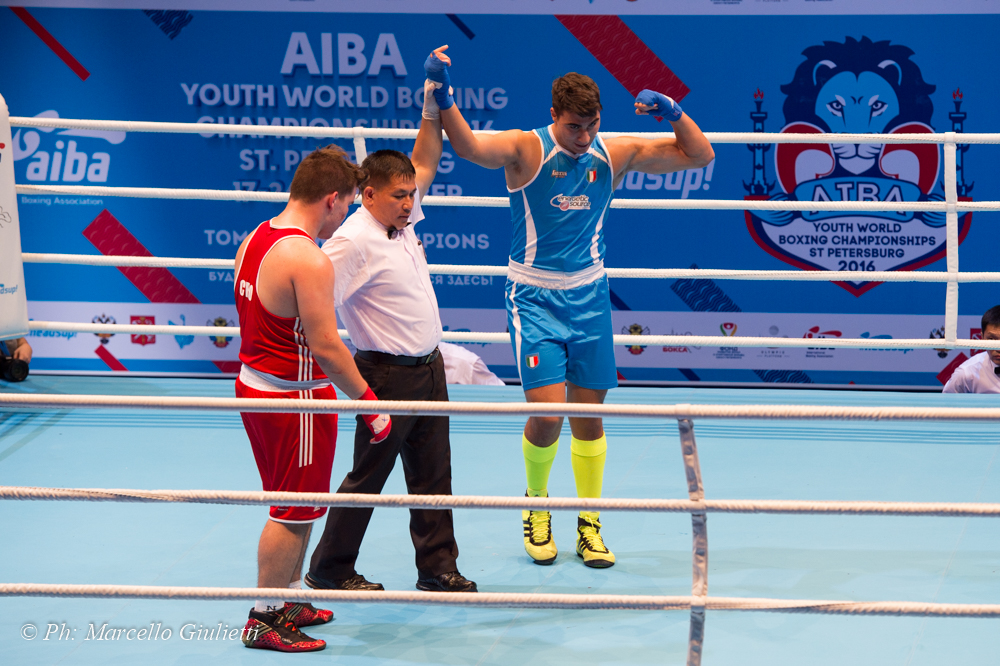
12	369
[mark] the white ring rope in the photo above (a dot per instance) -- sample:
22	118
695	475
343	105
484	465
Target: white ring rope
387	133
501	271
120	260
504	599
950	207
696	504
504	202
495	338
411	407
358	500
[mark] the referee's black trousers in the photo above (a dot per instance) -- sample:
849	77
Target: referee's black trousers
422	443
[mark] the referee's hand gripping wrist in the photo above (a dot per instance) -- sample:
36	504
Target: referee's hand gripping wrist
658	105
436	69
379	424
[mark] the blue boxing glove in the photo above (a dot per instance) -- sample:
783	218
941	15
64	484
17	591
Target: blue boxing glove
660	105
437	73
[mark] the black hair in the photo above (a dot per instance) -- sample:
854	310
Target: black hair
384	165
991	318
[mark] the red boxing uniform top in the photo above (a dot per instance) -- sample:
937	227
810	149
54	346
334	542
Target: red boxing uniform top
270	344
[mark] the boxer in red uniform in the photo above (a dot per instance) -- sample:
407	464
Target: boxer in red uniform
290	348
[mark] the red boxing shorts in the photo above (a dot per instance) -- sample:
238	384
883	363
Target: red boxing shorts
294	452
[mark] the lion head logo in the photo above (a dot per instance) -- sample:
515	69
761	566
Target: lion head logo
862	87
857	86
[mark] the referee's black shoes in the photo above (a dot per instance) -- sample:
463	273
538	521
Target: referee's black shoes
357	582
447	582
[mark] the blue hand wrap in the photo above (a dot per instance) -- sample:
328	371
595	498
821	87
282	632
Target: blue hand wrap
437	72
662	105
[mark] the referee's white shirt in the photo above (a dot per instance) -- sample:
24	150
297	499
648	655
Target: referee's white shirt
974	376
383	289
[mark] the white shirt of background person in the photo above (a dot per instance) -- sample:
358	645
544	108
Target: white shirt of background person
464	366
974	376
383	289
977	375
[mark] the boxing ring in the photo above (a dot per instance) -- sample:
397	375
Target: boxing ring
685	414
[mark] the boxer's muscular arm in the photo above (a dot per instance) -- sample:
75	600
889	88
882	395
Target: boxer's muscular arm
689	149
515	151
296	280
492	151
313	280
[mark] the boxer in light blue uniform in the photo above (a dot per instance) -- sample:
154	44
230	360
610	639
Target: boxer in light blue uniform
558	304
561	179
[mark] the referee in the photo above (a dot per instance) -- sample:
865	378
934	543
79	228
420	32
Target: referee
384	296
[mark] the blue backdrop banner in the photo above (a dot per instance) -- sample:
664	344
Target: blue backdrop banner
857	72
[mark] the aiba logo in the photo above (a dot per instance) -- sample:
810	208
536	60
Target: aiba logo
578	202
820	352
814	332
856	87
66	161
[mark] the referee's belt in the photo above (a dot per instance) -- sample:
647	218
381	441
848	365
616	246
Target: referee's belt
392	359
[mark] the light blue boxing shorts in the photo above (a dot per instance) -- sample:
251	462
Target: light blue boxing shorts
561	334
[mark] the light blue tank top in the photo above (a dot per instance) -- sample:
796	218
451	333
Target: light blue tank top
559	215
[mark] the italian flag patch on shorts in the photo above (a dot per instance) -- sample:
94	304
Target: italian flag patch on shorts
532	361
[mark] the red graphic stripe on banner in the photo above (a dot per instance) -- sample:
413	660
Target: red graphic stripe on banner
110	359
950	369
228	366
51	42
624	55
159	285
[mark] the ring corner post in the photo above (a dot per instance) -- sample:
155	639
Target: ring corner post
699	542
13	301
951	218
360	148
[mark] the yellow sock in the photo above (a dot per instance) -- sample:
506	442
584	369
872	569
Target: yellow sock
588	469
537	465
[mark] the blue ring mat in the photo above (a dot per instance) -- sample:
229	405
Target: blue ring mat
806	557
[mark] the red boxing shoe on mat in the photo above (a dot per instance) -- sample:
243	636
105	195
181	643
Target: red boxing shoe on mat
274	631
306	615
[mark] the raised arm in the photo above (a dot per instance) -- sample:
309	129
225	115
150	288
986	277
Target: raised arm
689	149
492	151
427	153
427	148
